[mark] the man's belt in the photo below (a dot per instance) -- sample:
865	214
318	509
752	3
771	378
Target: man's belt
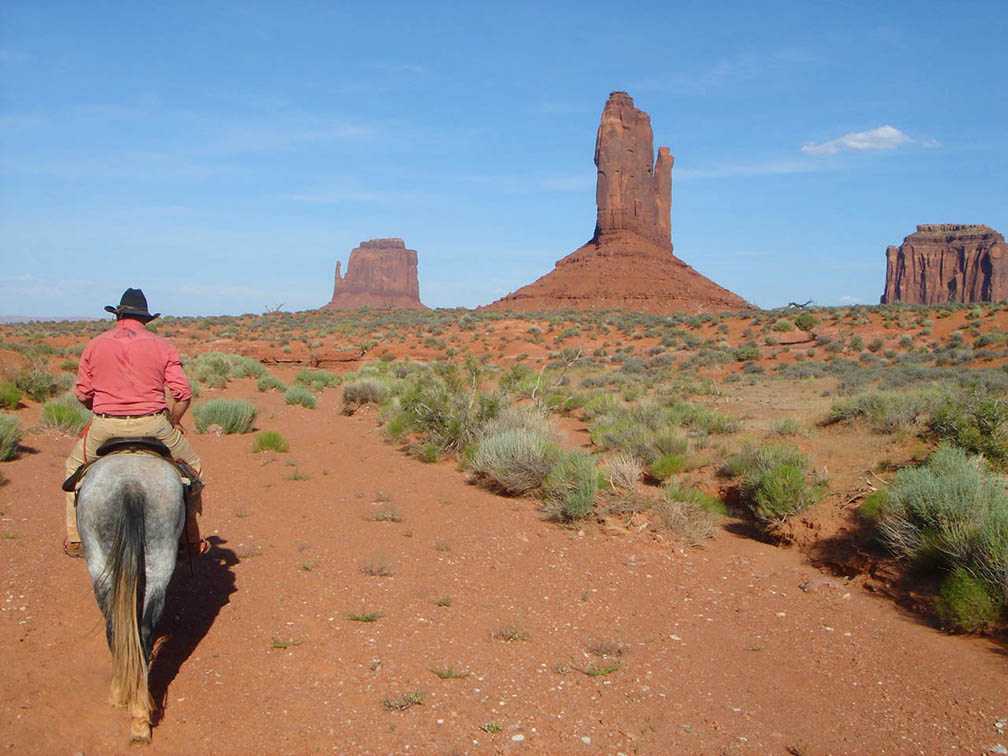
132	417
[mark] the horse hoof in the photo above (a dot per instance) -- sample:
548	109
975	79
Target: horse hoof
140	733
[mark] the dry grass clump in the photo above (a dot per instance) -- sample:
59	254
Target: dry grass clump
622	471
515	461
526	416
688	521
363	391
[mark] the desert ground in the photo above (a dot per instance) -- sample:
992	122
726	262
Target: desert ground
368	593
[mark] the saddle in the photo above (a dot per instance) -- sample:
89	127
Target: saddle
140	445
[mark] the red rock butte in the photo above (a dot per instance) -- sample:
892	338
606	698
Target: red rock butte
380	273
628	264
947	262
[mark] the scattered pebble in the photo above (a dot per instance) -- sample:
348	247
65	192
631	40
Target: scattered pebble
585	739
518	738
998	749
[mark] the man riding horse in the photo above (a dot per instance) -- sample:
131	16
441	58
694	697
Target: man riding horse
132	380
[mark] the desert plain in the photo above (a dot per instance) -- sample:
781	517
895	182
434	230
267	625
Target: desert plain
369	592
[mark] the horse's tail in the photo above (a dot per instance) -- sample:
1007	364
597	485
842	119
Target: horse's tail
125	570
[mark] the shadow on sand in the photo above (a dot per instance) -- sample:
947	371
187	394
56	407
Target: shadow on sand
195	597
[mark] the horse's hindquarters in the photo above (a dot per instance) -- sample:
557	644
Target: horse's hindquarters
130	513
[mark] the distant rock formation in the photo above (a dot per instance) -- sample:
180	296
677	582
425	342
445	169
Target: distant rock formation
380	273
629	263
947	262
632	193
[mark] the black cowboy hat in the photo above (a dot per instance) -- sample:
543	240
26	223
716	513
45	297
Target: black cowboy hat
133	304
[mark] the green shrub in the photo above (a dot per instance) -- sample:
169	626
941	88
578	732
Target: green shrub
666	466
36	383
232	415
317	380
978	424
395	426
269	441
211	369
785	427
885	411
441	409
806	322
783	325
270	383
428	453
870	511
570	487
647	431
215	369
10	436
514	461
950	512
245	367
363	391
778	493
65	414
965	603
600	404
300	395
673	491
10	395
774	483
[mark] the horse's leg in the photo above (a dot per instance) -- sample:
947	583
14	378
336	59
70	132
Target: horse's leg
140	729
165	514
143	706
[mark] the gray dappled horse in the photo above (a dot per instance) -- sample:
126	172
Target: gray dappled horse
130	513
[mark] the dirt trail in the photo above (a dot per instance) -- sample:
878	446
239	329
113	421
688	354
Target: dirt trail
721	649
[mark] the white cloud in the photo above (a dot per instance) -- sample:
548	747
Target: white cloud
883	138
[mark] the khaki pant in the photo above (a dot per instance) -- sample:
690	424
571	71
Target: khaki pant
156	426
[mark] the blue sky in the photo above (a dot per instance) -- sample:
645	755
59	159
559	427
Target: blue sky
224	155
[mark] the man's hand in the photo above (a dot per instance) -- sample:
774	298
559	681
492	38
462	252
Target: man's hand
176	411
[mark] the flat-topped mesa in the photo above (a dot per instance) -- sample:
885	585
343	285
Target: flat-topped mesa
954	231
947	262
634	191
380	273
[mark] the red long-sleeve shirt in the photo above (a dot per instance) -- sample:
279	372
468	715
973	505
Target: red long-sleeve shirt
125	370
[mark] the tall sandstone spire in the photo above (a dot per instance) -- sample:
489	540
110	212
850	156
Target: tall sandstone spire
628	264
632	193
